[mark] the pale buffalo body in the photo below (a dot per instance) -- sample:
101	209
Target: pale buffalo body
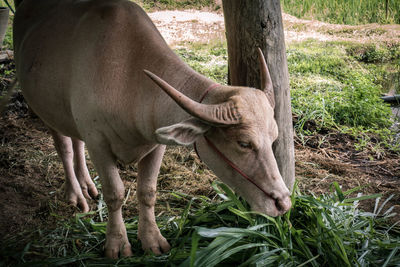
81	67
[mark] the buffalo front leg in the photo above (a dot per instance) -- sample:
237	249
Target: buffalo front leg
65	151
88	188
113	190
148	232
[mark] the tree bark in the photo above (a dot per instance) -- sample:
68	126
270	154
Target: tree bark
258	23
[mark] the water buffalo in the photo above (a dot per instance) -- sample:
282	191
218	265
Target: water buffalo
92	71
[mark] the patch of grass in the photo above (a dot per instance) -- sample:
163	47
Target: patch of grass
345	12
298	27
208	59
150	5
8	38
333	88
318	231
373	53
356	30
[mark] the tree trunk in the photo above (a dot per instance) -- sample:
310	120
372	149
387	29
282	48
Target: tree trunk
258	23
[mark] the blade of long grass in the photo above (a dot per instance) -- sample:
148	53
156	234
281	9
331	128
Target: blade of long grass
376	204
259	257
338	191
357	188
304	248
183	218
350	200
384	203
244	215
195	243
210	233
228	253
219	245
219	191
342	251
308	261
238	232
232	197
391	255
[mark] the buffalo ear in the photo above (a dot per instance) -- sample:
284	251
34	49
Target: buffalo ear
183	133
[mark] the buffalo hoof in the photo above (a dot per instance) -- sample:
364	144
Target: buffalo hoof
153	241
115	248
75	198
89	190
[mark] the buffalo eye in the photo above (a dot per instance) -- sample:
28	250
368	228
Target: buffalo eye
245	145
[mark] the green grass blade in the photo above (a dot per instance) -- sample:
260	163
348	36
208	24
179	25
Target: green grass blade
338	191
195	243
214	250
391	255
308	261
351	200
244	215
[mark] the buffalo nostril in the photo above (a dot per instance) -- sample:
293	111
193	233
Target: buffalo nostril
278	205
283	205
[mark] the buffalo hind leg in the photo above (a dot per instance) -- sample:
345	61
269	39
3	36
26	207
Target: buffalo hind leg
114	191
88	188
73	191
148	232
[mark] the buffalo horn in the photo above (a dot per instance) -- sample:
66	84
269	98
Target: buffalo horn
218	115
266	83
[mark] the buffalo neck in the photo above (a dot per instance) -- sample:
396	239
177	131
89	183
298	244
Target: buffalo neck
185	80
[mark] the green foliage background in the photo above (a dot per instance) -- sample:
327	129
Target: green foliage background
345	11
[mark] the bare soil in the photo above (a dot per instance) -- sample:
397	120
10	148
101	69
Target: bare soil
179	27
31	176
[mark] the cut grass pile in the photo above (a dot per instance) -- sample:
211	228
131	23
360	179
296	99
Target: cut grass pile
318	231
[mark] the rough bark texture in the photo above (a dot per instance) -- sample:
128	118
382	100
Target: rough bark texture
258	23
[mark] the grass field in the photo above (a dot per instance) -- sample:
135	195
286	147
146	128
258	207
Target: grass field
345	11
351	12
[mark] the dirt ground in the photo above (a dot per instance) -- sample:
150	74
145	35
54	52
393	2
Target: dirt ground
200	26
31	176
